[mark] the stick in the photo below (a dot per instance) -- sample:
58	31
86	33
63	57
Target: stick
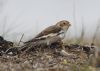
20	39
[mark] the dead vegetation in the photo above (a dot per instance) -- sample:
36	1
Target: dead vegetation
40	56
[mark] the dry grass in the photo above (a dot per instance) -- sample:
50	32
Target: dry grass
44	61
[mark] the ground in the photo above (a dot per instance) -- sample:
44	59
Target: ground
46	58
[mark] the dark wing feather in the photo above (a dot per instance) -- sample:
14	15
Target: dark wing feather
51	29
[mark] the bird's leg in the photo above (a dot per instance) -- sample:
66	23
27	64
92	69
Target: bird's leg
49	46
63	47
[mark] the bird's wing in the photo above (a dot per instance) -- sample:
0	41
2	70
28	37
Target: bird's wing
52	29
48	31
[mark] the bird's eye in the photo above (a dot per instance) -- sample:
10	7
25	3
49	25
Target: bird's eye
64	23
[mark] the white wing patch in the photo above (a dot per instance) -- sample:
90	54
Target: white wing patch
49	35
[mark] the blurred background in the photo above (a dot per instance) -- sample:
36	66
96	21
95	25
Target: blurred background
29	17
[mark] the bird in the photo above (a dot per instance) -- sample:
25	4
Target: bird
59	29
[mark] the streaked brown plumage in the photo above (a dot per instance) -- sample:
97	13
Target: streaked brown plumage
49	30
54	30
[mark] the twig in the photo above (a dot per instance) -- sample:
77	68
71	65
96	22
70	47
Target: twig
20	39
96	31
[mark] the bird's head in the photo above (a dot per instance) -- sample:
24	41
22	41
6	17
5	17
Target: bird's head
63	24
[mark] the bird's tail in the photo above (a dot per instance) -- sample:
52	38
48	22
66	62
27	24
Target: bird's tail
35	39
32	40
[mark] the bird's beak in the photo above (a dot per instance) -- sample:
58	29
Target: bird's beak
69	24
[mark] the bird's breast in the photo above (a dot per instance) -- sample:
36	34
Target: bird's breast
62	35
